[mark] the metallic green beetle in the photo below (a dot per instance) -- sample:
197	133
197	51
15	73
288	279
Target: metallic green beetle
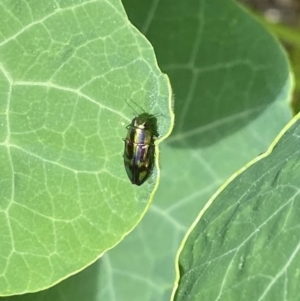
139	148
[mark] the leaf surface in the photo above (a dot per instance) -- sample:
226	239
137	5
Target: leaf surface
66	69
247	240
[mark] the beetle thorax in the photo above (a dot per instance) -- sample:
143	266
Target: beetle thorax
139	124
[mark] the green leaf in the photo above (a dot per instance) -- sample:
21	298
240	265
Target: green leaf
247	239
66	69
232	84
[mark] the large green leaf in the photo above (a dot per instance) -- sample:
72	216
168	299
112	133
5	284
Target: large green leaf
248	239
66	69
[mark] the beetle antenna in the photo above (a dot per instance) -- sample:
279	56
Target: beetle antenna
132	108
159	114
138	106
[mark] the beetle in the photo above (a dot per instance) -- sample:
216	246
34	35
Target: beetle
139	148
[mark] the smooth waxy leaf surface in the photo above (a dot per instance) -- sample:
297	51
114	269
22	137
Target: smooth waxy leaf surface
66	69
248	239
